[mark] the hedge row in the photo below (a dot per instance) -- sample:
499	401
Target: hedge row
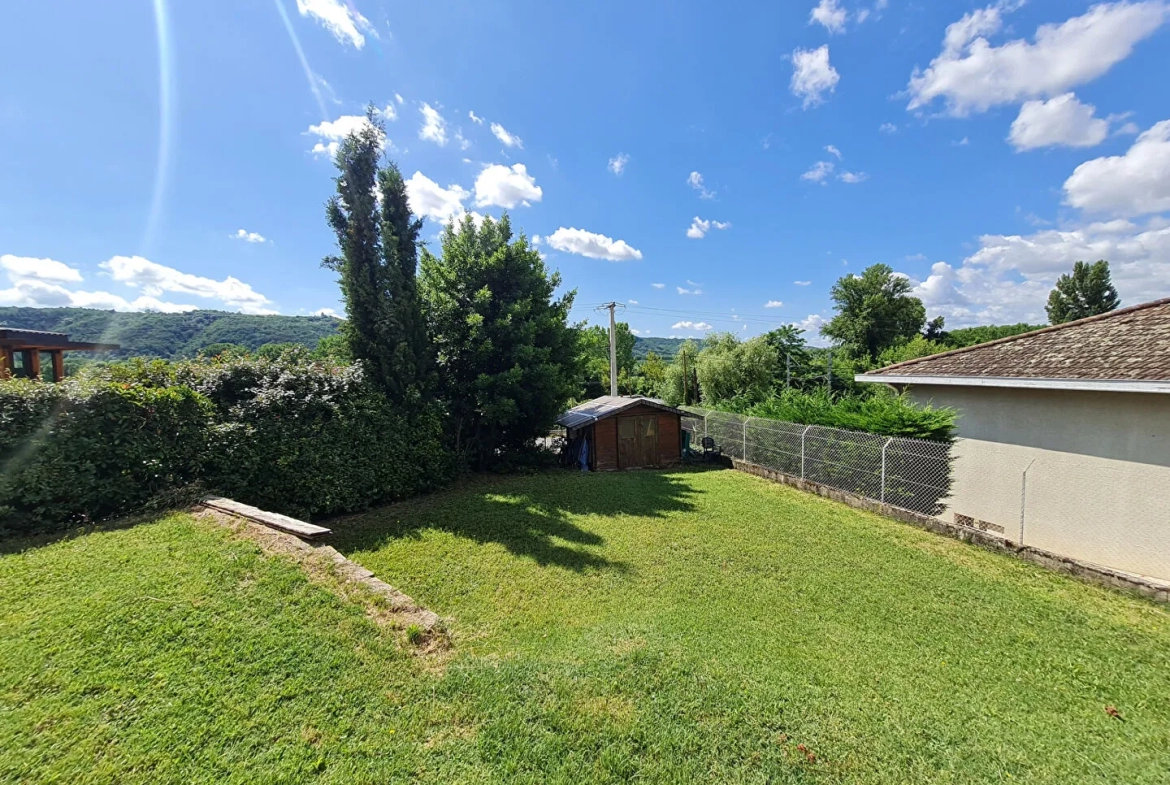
304	438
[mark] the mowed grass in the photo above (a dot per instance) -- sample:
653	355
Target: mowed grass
694	626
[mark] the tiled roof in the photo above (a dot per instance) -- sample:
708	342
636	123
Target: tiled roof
1131	344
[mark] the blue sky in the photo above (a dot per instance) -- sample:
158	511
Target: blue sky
712	167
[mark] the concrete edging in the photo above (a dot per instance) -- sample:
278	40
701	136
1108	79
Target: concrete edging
273	534
1152	588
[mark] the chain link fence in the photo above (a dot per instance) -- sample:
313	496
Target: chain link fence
913	474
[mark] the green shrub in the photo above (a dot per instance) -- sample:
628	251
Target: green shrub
283	433
313	439
880	412
86	450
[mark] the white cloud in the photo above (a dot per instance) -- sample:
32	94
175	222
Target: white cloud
249	237
812	75
773	304
833	150
658	285
475	119
1133	184
853	177
339	18
689	325
972	75
595	246
699	227
1008	279
962	142
434	128
1061	121
812	325
154	279
327	312
506	139
888	128
398	97
507	187
632	302
802	283
21	268
429	199
830	15
32	293
819	171
617	164
682	290
331	132
695	180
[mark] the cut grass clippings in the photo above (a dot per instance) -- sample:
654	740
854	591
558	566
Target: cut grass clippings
689	626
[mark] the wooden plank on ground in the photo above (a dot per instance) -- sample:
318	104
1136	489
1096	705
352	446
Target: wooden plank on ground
274	520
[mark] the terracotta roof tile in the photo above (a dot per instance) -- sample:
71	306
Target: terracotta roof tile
1128	344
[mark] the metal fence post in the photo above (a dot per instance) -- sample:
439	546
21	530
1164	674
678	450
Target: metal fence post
884	448
745	424
802	433
705	416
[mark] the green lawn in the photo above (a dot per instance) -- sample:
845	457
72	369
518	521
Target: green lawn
652	627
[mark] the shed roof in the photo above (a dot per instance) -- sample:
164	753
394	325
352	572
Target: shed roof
1124	350
40	339
609	405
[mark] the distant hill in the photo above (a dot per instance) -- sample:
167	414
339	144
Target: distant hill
666	348
171	335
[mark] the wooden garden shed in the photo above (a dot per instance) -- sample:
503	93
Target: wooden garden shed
617	432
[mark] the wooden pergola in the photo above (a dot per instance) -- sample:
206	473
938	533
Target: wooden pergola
29	344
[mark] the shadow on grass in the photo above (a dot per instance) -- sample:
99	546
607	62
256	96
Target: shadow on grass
16	541
530	516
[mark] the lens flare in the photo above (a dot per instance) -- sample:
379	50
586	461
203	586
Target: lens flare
296	42
166	122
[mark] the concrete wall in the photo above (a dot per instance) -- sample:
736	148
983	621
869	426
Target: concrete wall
1097	469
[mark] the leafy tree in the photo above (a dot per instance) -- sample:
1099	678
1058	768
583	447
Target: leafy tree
936	330
507	356
918	346
274	351
594	348
969	336
792	355
225	351
1088	291
378	238
650	376
681	385
729	368
874	312
334	347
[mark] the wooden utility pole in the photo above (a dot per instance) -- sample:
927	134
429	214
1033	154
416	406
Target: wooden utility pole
682	351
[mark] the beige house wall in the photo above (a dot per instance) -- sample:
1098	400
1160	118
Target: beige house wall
1097	484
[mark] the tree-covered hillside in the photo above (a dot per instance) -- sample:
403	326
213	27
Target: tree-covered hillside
170	335
665	348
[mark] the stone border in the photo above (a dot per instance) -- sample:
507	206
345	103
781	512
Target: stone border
385	604
1154	589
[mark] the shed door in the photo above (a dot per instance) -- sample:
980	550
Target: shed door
637	442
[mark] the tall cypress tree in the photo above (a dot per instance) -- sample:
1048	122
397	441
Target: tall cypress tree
377	236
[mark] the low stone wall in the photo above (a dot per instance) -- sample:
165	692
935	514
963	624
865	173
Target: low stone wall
1156	590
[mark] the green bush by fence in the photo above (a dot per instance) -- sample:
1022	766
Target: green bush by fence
881	412
299	437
